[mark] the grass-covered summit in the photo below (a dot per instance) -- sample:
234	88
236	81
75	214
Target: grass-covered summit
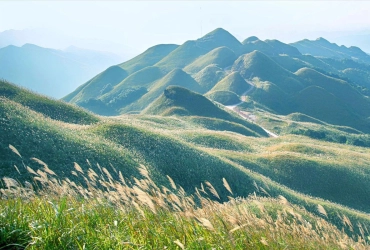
234	82
230	89
181	101
324	48
285	78
221	57
197	149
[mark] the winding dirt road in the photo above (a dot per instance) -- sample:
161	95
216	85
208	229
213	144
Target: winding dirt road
246	115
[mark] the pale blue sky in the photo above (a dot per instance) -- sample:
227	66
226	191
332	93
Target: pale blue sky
142	24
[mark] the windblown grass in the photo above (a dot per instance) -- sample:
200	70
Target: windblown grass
103	213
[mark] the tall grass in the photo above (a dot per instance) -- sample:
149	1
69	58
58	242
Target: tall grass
134	213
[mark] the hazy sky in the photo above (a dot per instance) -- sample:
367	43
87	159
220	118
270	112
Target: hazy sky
141	24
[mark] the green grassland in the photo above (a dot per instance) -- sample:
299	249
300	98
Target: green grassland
221	57
190	149
234	83
224	97
51	108
217	65
71	179
141	215
209	76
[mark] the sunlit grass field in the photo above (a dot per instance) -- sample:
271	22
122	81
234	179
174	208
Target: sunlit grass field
103	213
187	182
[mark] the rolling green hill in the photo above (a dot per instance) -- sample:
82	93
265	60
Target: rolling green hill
220	57
257	64
234	83
175	77
349	96
165	116
132	88
215	66
219	38
175	97
228	90
106	80
322	47
98	85
206	144
209	76
191	50
148	58
268	47
224	97
54	109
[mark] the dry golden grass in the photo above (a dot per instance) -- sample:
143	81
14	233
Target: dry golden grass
142	215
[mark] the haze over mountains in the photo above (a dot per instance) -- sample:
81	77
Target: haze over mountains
49	38
49	71
284	121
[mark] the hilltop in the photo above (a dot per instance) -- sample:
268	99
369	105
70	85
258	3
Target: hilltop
173	137
161	144
217	65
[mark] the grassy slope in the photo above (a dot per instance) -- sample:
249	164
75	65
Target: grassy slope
257	64
218	38
301	124
148	58
283	48
309	168
234	83
115	74
268	47
162	145
144	216
310	100
141	78
209	76
221	57
339	88
295	63
180	101
58	143
191	50
322	47
181	56
51	108
271	97
223	97
194	104
343	104
175	77
306	91
228	90
92	88
358	76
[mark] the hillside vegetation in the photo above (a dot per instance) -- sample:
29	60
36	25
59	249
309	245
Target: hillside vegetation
142	215
51	108
164	164
286	78
164	146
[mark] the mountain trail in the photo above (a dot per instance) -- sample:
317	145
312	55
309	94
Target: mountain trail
247	115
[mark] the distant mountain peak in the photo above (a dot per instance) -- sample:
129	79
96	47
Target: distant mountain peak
321	39
30	45
219	37
217	32
251	39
